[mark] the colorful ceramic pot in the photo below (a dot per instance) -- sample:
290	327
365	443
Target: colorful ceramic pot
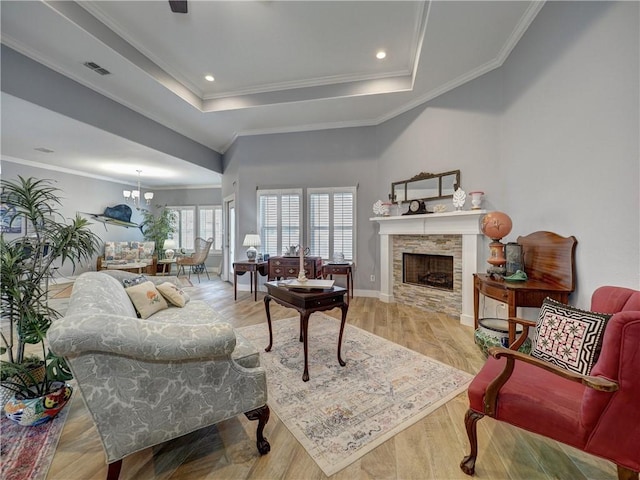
34	411
494	332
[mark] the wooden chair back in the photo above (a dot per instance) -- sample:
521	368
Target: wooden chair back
550	258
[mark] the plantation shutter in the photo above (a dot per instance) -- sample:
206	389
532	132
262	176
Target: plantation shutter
279	219
332	222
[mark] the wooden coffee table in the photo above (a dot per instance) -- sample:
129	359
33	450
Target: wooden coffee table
306	302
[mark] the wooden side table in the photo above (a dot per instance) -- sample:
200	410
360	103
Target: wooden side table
530	293
166	266
331	269
254	268
306	302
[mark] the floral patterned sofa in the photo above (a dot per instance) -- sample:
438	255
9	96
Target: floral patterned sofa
146	381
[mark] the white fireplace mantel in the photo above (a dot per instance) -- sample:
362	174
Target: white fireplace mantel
465	223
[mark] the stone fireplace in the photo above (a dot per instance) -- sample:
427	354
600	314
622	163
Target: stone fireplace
455	235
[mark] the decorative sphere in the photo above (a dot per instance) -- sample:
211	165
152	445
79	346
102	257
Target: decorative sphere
496	225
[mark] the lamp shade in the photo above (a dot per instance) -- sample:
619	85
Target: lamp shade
251	240
169	243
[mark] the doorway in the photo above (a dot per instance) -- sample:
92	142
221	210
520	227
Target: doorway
230	238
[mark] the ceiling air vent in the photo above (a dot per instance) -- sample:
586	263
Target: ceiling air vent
97	68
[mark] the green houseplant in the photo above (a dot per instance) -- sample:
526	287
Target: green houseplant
157	227
27	263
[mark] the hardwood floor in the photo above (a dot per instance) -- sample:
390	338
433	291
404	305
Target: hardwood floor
430	449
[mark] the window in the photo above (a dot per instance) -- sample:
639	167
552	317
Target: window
185	226
279	219
210	225
332	221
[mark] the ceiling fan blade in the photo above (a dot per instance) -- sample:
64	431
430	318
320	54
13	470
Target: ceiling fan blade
178	6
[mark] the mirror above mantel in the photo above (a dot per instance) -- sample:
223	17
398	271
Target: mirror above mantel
426	186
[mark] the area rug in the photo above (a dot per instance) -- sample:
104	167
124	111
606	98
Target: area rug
342	413
27	452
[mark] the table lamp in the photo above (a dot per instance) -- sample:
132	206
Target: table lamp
496	226
252	241
168	247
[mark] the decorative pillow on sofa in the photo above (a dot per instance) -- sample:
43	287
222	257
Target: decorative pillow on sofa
173	294
146	299
569	337
130	282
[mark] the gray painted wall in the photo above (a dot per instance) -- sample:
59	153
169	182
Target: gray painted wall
551	137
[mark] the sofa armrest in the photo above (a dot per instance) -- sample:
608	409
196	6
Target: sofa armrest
491	395
138	338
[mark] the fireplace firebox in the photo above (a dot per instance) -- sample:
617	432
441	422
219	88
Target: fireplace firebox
428	270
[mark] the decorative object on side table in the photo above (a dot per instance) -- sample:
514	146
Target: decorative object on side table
515	258
476	200
301	274
496	226
459	198
251	240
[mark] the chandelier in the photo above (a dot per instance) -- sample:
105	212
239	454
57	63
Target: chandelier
134	195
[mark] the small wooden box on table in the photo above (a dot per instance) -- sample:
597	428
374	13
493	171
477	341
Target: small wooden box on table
306	302
254	268
289	267
549	262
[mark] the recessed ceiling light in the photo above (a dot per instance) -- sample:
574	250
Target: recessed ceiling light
381	54
209	78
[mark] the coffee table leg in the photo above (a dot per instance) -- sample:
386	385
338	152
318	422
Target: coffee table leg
301	335
304	318
267	299
344	308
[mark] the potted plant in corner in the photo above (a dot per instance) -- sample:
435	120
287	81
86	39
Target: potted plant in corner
157	227
27	263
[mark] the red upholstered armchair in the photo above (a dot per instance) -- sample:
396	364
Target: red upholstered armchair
598	414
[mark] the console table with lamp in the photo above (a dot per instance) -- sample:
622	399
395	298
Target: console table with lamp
251	265
548	263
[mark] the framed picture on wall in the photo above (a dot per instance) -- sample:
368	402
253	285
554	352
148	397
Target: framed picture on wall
10	222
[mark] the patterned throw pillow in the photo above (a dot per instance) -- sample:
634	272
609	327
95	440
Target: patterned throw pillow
146	299
131	282
569	337
173	294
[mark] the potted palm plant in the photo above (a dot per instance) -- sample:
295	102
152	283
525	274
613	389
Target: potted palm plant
26	264
157	227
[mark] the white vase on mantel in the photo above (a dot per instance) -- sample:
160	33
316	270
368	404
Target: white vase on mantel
476	200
